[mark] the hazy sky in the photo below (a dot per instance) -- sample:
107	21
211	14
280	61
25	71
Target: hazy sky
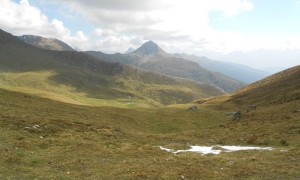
201	27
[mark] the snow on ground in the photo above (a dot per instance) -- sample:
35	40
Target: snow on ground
216	149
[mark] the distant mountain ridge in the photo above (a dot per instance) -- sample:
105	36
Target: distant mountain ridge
148	57
151	57
241	72
46	43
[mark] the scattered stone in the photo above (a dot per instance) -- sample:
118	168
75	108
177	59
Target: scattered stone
192	108
284	143
35	126
237	115
253	106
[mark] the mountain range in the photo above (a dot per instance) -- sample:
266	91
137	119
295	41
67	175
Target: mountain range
151	57
240	72
80	78
70	115
147	56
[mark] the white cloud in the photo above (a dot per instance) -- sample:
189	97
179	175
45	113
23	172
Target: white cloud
164	21
176	25
22	18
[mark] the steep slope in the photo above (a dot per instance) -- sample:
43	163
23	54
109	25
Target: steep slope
151	57
46	43
76	77
279	88
236	71
270	110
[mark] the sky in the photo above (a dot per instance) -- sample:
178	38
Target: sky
250	32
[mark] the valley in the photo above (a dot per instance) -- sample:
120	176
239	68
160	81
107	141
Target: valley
79	78
42	138
75	115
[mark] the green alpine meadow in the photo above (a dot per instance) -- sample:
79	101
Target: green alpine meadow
149	90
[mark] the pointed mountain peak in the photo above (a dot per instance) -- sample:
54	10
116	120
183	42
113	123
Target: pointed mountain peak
150	48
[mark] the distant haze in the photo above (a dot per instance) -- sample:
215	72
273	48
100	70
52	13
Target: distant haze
267	59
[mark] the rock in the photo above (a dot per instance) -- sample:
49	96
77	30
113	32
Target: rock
237	115
253	106
284	143
192	108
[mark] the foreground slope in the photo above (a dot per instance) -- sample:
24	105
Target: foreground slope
79	78
282	87
270	110
42	138
151	57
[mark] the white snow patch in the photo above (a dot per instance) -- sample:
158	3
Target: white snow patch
200	149
243	148
165	149
210	149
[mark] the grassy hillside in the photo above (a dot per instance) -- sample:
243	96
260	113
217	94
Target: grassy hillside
79	78
276	89
46	139
270	110
42	138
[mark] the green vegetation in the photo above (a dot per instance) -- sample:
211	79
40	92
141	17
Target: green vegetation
79	78
74	141
66	115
